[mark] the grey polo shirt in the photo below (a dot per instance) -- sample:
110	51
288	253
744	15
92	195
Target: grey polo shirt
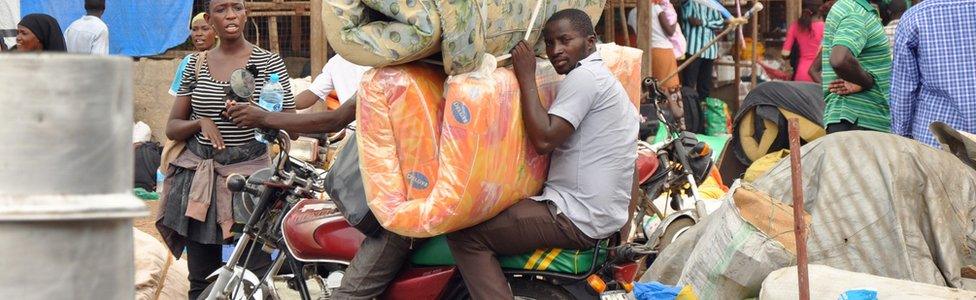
591	174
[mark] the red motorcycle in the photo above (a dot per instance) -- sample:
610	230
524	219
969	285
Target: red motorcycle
317	244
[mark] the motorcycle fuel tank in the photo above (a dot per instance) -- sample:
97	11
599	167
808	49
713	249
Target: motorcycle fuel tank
314	230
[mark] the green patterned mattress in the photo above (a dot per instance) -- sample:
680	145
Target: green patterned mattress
391	32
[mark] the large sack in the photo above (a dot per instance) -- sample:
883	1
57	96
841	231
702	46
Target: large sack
750	236
390	32
440	156
829	283
159	275
885	205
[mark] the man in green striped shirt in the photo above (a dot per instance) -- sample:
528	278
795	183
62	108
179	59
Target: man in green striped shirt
856	61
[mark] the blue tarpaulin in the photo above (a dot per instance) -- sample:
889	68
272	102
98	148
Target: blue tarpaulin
135	27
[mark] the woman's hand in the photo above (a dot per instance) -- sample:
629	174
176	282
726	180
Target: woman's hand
210	131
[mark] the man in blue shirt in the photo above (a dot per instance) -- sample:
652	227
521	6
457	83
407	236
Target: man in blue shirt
934	70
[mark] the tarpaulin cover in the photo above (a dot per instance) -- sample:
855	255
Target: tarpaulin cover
389	32
880	204
885	205
135	28
440	156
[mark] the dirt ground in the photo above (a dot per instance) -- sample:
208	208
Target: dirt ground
148	224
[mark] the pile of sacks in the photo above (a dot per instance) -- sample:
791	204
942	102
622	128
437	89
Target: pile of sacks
441	153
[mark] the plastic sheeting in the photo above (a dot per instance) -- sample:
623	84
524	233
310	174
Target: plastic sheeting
462	30
440	156
135	28
880	204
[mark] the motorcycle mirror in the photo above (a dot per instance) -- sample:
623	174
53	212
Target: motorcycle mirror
236	183
242	83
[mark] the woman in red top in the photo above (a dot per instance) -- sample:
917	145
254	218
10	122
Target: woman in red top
805	36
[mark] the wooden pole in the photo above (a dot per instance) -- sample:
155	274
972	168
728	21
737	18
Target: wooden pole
697	54
793	10
623	24
737	81
799	222
319	44
273	35
296	30
643	32
608	22
755	46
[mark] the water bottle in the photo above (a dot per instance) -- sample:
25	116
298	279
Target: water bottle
159	181
272	95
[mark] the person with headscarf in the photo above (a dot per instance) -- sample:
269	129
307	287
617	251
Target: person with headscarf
39	32
203	38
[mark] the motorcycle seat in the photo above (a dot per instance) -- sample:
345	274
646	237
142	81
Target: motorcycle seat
435	252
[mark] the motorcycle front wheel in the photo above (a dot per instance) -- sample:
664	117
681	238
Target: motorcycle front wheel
240	296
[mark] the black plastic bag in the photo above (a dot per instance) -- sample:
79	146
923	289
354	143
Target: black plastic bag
344	184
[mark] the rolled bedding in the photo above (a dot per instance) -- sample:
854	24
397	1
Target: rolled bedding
441	154
390	32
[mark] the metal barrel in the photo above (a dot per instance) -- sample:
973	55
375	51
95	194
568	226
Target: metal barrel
66	177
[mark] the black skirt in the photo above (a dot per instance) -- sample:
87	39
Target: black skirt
175	227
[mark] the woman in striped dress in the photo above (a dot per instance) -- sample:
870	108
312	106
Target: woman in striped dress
196	212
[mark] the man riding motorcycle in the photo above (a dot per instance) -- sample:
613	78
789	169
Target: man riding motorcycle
591	122
591	131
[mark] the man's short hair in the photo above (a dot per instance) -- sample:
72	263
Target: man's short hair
95	5
577	18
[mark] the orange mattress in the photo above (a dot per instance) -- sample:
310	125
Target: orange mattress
439	155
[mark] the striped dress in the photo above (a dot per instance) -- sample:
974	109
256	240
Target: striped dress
698	36
207	99
855	24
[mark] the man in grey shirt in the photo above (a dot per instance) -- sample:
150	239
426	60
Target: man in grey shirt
591	132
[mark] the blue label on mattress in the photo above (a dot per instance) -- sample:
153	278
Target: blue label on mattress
461	113
418	180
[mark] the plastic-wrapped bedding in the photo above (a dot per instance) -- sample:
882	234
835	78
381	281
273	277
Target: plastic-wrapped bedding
390	32
439	156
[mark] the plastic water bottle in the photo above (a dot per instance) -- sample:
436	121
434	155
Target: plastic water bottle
159	181
272	96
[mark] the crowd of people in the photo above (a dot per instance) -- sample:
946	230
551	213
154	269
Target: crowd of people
881	68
